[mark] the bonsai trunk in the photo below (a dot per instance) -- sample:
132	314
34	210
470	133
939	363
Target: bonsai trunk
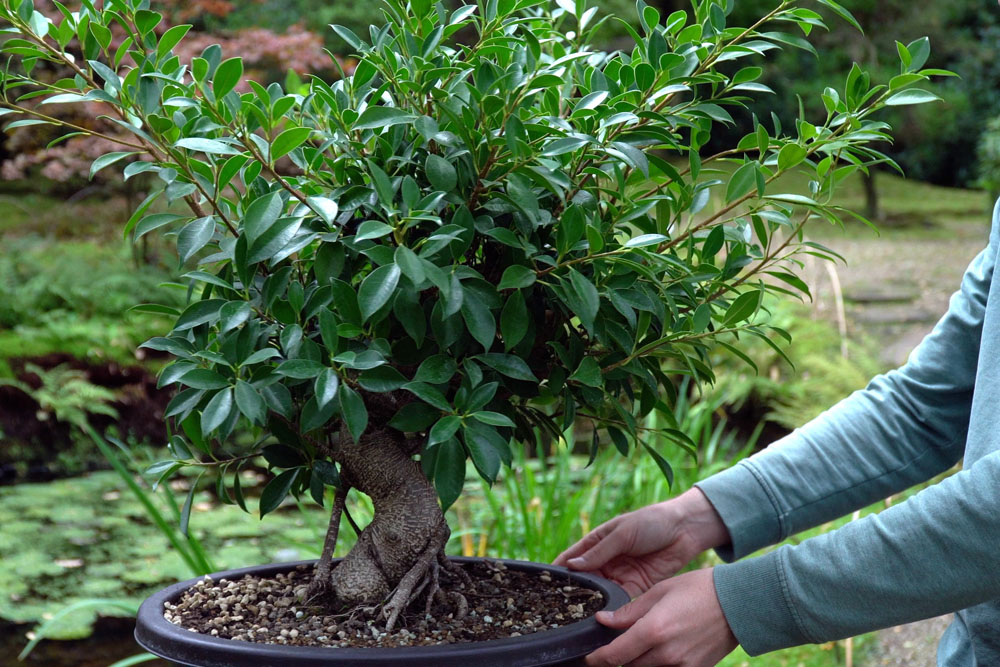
397	556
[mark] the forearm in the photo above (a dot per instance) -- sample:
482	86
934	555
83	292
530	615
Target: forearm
933	554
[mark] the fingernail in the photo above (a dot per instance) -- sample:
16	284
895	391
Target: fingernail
575	562
604	616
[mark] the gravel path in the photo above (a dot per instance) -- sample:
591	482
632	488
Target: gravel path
912	645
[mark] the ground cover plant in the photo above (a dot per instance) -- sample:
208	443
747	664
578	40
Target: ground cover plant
462	246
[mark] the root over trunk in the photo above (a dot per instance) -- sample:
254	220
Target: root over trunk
398	555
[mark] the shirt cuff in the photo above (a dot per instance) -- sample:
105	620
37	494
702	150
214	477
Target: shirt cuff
755	601
746	507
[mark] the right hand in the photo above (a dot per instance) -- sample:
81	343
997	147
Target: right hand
639	549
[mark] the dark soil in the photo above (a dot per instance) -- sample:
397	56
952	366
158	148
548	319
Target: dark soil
503	603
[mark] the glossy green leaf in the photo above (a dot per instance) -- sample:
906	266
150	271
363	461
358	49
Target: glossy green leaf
354	412
377	288
276	491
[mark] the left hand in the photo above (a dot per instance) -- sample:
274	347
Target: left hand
676	622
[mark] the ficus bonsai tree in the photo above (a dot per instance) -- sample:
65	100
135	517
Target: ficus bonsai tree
489	231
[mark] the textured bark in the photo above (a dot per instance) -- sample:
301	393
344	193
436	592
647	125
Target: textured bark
396	555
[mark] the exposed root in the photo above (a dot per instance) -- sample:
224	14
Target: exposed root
461	604
435	586
454	569
321	584
408	586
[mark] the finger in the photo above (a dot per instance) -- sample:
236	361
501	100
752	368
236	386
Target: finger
586	543
616	542
622	650
627	615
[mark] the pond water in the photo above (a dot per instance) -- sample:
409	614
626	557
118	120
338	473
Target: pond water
111	641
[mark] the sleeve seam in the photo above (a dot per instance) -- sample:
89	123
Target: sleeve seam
787	597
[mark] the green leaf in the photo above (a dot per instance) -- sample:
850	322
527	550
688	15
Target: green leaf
381	379
194	236
509	365
414	417
410	265
233	314
314	416
742	308
276	490
209	146
377	288
261	215
588	373
440	173
289	140
155	221
382	117
107	161
198	313
354	412
493	418
588	301
326	208
372	229
645	240
478	317
428	394
300	369
217	411
449	472
327	473
444	429
662	464
170	39
203	378
912	96
517	276
436	369
791	155
348	36
513	320
564	145
268	244
485	447
743	181
250	403
326	387
227	76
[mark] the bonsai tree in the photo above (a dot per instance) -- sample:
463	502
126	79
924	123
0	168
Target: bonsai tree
463	246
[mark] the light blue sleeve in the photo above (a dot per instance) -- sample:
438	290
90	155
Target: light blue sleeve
905	427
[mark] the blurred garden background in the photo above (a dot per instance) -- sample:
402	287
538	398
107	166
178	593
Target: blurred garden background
80	546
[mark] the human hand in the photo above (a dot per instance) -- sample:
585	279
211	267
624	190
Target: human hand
678	622
639	549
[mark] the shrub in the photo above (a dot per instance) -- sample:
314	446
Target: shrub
480	243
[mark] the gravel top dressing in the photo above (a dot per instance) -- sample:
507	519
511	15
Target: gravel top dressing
502	603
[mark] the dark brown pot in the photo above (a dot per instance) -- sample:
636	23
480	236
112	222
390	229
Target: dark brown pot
566	645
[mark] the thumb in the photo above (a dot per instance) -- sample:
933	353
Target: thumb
626	615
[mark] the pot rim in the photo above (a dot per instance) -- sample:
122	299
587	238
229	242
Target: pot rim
172	642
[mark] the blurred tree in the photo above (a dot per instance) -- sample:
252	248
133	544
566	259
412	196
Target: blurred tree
936	144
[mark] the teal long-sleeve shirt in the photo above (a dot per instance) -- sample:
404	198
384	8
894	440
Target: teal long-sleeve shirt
935	553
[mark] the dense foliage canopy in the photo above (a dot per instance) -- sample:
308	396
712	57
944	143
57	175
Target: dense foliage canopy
476	242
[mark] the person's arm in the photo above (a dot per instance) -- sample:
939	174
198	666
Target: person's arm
905	427
932	554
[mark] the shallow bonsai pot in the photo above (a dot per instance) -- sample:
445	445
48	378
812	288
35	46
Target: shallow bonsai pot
566	645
